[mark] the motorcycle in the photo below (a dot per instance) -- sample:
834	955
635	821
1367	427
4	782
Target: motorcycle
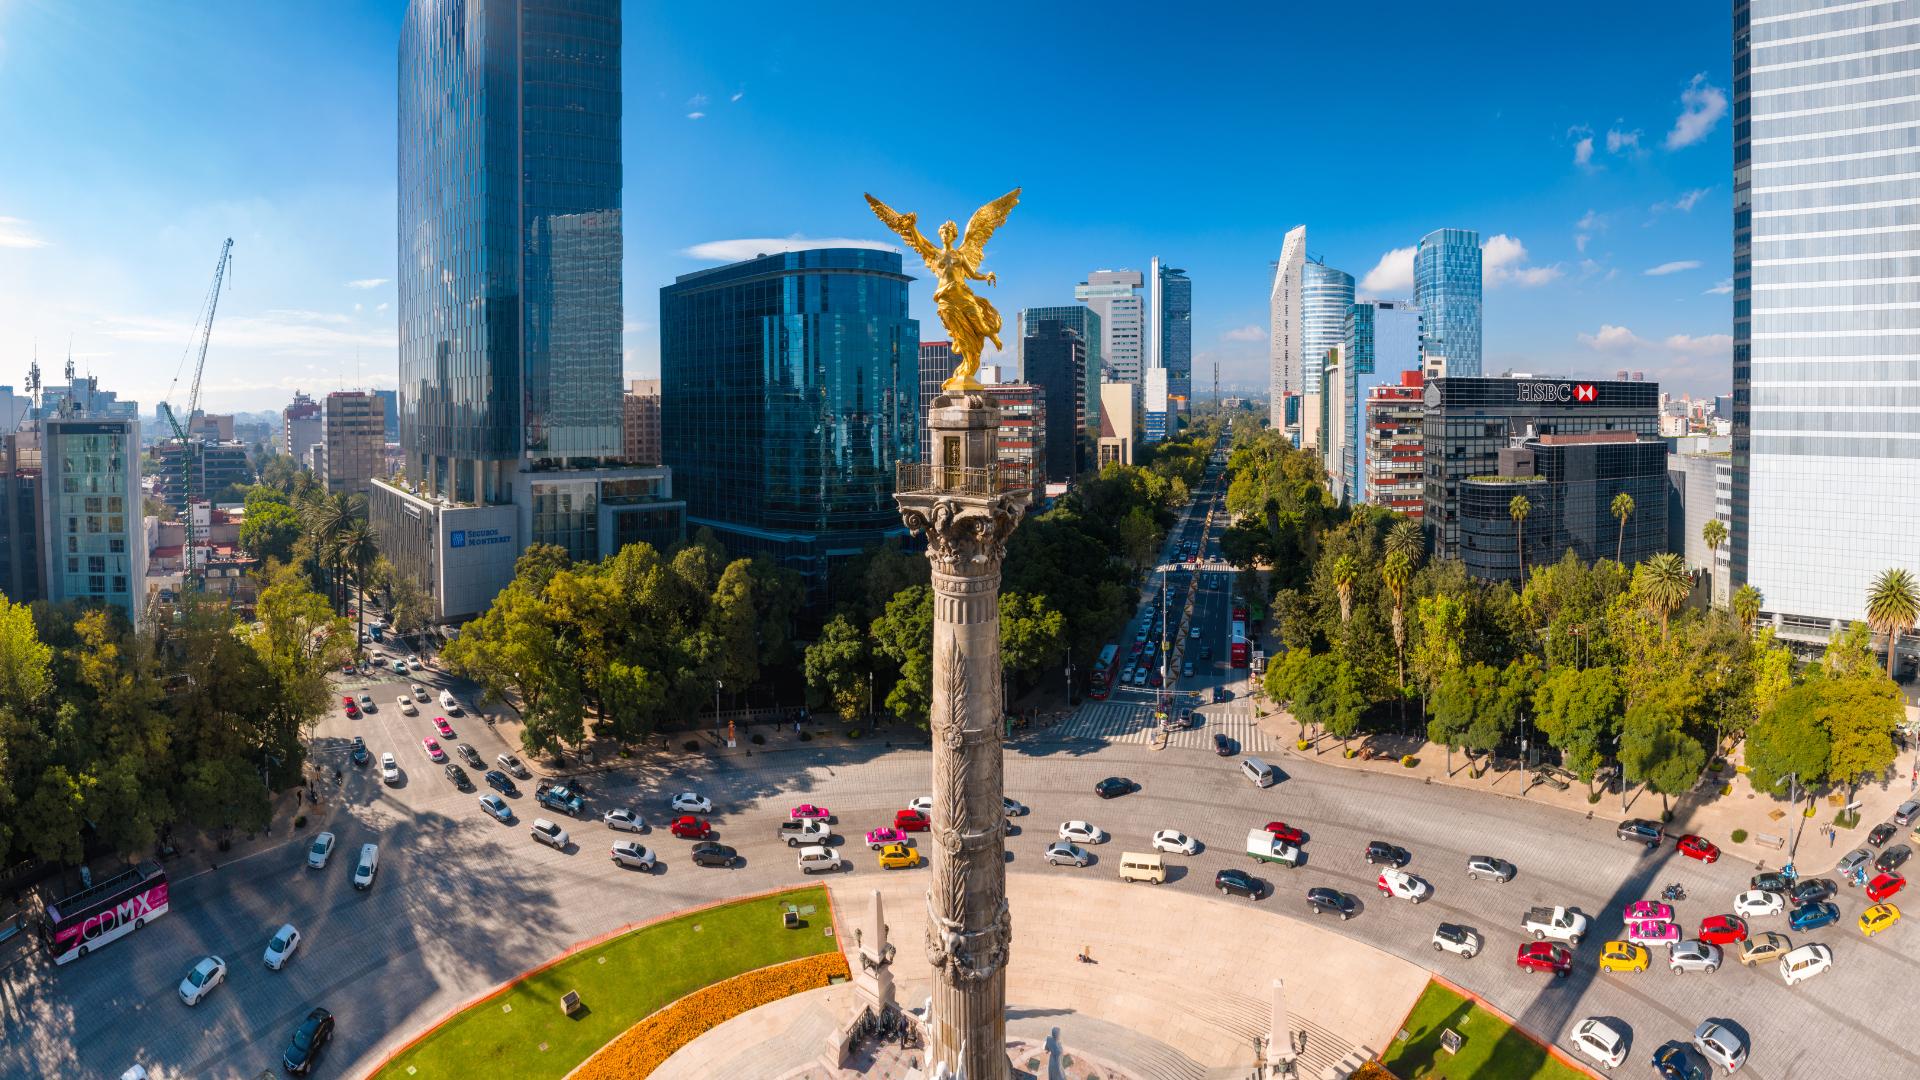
1675	891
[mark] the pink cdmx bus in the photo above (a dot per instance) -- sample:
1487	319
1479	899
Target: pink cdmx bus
110	909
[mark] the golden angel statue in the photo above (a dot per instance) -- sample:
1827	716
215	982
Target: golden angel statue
971	322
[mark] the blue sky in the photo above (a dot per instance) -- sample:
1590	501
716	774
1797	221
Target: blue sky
139	135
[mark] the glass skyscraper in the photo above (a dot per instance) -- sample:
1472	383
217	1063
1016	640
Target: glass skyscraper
789	389
1173	332
510	241
1826	303
1114	296
1081	320
1325	296
1446	286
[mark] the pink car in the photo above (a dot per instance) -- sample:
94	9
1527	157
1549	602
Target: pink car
807	811
1648	910
1652	932
879	838
433	749
446	729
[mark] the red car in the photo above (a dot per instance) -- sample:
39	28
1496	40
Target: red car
349	702
1699	847
1545	956
910	821
688	827
353	712
1884	886
1722	930
1286	833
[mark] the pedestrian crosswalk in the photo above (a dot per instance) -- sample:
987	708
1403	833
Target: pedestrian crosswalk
1133	722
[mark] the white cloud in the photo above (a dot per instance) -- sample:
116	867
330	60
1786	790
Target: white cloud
367	283
1720	288
1611	338
380	307
1580	242
14	234
736	250
737	95
1674	267
1702	104
1245	333
1618	141
277	333
1591	221
1686	202
1583	153
356	307
697	101
696	116
1704	345
1392	274
1503	261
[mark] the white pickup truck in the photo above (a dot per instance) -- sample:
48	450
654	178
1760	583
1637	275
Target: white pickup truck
1555	922
1268	848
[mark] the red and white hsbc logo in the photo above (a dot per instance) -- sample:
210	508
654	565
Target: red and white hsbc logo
1551	392
1583	392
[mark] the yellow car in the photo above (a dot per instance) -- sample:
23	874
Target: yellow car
1623	956
1878	918
898	856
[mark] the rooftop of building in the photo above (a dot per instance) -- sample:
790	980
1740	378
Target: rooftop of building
871	260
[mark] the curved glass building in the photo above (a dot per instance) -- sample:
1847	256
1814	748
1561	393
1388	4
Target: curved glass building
1446	286
1325	296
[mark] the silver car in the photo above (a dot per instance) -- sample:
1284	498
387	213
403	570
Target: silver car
1061	853
628	853
1720	1045
1853	861
1693	955
1907	812
1486	866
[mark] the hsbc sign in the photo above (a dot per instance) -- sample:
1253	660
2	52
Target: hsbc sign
1556	392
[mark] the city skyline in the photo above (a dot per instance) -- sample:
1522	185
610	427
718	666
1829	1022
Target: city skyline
1602	212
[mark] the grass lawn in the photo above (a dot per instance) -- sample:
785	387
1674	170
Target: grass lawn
641	972
1489	1050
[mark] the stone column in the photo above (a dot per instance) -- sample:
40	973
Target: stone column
957	503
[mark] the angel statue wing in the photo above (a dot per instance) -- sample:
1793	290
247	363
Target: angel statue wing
904	225
980	227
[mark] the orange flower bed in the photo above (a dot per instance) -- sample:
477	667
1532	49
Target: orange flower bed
643	1047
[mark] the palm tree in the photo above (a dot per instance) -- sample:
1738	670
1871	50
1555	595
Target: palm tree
1622	509
1746	607
1397	573
1714	532
1893	602
1344	571
359	548
1406	538
328	518
1668	582
1518	510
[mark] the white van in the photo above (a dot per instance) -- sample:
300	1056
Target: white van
1143	866
817	858
369	866
1258	772
449	703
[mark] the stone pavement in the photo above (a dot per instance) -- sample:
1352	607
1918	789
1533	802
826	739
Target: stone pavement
1703	811
1179	987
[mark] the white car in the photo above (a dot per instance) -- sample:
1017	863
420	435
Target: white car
546	832
1757	902
320	852
420	694
407	707
1457	939
400	667
1065	854
1083	831
692	802
389	768
497	806
924	804
449	703
628	853
624	820
1720	1045
1805	962
367	867
1175	843
285	940
367	705
1399	883
1600	1042
210	972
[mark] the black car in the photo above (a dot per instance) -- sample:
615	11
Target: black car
471	755
1236	882
359	755
1812	890
459	776
1222	745
1320	899
1379	851
500	782
1640	830
1892	858
1115	786
1881	833
308	1039
708	853
1676	1062
1771	881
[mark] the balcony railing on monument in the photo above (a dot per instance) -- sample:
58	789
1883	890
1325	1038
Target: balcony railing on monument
914	476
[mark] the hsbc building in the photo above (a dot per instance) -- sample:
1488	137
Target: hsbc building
1470	419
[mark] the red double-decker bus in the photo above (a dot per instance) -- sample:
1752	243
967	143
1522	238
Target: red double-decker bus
1102	682
1237	644
110	909
1240	609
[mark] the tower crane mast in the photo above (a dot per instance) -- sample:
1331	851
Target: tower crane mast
190	450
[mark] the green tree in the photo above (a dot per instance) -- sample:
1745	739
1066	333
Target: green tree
359	550
1455	703
1666	583
1893	602
1518	508
1345	570
1396	573
1139	537
1860	716
53	819
1437	650
839	671
1579	712
515	651
1790	739
1746	607
1622	509
1032	633
270	531
1714	532
1343	703
904	634
1407	539
1655	751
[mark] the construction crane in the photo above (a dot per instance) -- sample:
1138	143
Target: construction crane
189	449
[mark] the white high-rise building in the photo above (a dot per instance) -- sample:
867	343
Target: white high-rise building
1115	295
1325	295
1283	327
1826	305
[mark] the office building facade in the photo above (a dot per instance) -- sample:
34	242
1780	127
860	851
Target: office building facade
1325	296
1022	439
1826	305
1284	348
1469	420
936	365
1114	295
1570	482
20	517
300	426
219	466
1082	320
640	422
1396	467
1446	288
1118	427
93	541
1381	342
1156	415
354	428
1700	489
1056	361
1171	332
790	388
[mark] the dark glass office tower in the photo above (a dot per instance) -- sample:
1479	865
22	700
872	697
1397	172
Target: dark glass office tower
1055	359
1173	325
510	241
789	389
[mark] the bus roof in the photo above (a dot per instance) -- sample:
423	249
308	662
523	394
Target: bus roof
113	886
